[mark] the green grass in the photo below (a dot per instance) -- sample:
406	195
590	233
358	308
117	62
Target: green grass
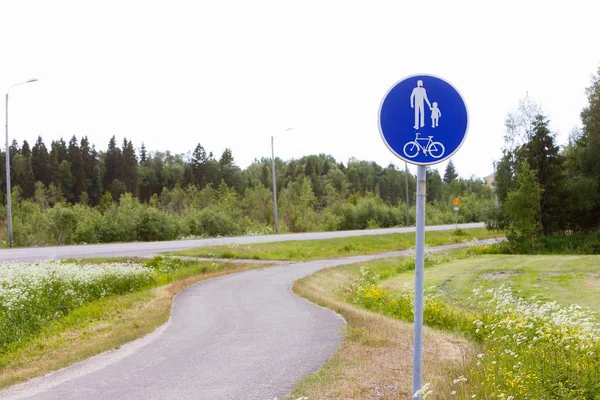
523	310
339	247
564	279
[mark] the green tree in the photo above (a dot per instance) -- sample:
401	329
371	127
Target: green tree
117	189
297	202
143	154
22	175
40	162
199	167
522	205
113	163
66	180
542	155
129	169
433	186
77	170
450	174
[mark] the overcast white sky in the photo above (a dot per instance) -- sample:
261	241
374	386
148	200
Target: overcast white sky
232	73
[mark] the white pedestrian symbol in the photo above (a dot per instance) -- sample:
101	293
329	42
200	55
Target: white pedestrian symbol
435	115
418	96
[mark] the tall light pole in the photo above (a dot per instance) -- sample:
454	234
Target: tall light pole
275	217
8	195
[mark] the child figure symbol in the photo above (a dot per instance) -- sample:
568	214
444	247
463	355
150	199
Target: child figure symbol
435	115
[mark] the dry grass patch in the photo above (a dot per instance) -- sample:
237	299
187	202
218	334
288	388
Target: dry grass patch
375	359
99	326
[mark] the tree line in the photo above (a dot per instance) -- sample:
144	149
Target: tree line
76	173
544	189
73	193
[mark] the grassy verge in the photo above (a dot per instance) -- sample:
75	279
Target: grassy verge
516	309
375	359
339	247
104	324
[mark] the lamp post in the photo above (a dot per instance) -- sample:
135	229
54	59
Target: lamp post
8	195
275	217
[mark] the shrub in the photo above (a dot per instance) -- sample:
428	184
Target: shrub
62	222
155	225
214	222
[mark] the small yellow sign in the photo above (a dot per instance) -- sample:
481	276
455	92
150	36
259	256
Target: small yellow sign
456	201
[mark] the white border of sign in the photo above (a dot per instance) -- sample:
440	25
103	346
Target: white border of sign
408	160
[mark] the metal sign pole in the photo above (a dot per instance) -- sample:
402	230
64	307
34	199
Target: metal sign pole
402	123
456	226
419	281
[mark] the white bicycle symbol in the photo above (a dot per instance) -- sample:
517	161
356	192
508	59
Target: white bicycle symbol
434	149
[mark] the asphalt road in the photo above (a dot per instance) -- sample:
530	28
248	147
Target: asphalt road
148	249
240	336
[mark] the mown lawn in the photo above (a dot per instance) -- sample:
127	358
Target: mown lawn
564	279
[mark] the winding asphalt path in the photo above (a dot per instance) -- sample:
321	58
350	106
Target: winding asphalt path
240	336
149	249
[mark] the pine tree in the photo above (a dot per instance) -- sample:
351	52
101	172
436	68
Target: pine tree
25	149
63	153
450	173
112	163
89	160
227	168
14	149
129	169
143	154
40	162
542	155
22	175
199	167
66	180
53	173
77	170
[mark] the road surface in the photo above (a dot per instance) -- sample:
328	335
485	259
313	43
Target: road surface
149	249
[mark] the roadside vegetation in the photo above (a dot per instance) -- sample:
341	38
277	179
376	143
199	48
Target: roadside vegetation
339	247
70	193
53	314
531	322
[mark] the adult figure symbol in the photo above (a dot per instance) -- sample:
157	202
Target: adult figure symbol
417	99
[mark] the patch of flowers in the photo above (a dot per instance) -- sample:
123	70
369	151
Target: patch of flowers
533	349
32	295
367	293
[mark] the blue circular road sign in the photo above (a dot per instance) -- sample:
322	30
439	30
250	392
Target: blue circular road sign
423	119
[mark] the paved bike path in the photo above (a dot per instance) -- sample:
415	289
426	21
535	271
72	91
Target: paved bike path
239	336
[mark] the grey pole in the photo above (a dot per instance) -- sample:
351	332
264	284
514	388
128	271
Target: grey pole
8	194
419	281
8	199
274	187
456	225
407	197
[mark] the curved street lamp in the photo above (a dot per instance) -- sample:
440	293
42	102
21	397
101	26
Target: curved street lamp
8	194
